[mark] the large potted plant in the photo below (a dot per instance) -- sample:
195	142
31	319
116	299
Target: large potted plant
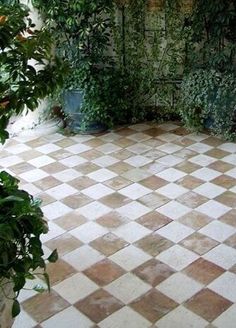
21	84
82	37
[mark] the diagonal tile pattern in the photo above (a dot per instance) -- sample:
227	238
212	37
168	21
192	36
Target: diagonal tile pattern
144	219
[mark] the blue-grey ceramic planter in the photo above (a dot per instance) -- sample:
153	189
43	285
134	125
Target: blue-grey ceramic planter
73	100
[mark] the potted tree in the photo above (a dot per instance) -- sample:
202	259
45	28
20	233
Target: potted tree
82	37
21	219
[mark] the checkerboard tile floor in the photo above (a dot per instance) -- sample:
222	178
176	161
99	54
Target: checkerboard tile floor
144	220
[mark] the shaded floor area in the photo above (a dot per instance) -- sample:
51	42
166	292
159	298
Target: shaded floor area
144	221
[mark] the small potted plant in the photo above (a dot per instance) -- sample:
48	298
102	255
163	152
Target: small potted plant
21	219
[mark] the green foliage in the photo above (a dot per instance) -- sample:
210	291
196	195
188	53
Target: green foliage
21	226
26	63
208	97
212	36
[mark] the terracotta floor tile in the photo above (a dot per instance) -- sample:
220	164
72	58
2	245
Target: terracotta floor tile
54	168
86	168
195	220
191	199
122	154
111	220
59	271
212	141
154	244
221	166
199	243
71	221
77	200
124	142
224	181
91	154
82	183
104	272
120	167
108	244
43	306
153	220
231	241
153	182
208	304
99	305
153	200
190	182
115	200
154	132
153	272
153	305
216	153
21	167
47	183
229	218
187	167
228	198
117	183
64	244
94	143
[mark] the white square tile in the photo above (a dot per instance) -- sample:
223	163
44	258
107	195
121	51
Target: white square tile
135	191
31	189
75	288
67	175
199	147
41	161
102	175
179	287
169	160
108	148
228	146
226	319
231	159
61	191
48	148
24	320
33	175
175	231
168	126
202	160
132	232
177	257
136	175
138	160
73	161
83	257
173	210
225	285
139	148
171	174
139	137
181	318
231	173
206	174
209	190
17	149
130	257
168	137
125	318
10	161
222	255
218	230
213	209
133	210
105	161
54	210
172	190
53	231
198	137
169	148
88	232
94	210
97	191
125	288
77	148
69	317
